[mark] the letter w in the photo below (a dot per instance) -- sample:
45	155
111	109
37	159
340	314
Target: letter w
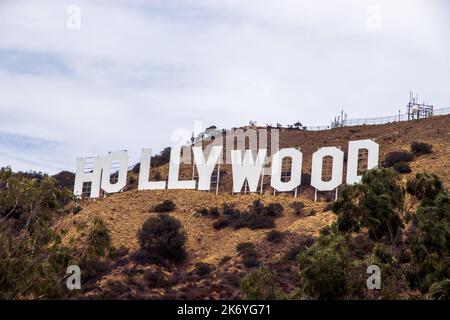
248	169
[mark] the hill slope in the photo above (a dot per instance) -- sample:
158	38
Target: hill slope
125	213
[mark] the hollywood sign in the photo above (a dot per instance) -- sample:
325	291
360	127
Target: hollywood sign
247	169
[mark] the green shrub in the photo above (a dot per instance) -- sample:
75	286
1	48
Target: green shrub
325	270
244	246
212	212
98	239
401	167
274	209
303	244
202	268
419	148
254	220
275	236
375	204
248	253
33	259
163	236
260	285
396	157
258	216
429	238
165	206
425	187
95	259
229	210
221	223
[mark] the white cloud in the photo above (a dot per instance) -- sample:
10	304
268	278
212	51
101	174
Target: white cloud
139	69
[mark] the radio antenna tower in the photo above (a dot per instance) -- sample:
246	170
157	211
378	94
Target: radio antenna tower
416	110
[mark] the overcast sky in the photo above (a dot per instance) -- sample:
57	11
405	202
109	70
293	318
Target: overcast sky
136	71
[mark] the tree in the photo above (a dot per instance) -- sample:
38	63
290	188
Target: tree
376	204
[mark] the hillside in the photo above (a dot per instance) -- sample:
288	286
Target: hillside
125	213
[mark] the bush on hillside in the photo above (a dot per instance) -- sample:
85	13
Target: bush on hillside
402	167
165	206
98	251
260	285
425	187
303	244
202	269
396	157
163	236
376	204
428	237
258	216
275	236
33	257
325	270
211	212
247	251
221	223
420	148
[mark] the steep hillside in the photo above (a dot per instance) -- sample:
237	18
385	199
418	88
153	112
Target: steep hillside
124	214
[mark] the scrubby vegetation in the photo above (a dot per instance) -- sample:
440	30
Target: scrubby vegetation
397	156
202	268
399	161
404	230
402	167
162	237
275	236
413	253
375	204
33	258
420	148
260	285
247	251
325	270
258	216
209	212
165	206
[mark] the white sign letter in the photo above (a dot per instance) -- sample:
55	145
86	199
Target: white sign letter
206	168
373	150
247	169
144	173
317	167
296	169
116	156
93	176
174	171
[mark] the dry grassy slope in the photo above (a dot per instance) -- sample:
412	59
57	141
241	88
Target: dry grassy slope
124	213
